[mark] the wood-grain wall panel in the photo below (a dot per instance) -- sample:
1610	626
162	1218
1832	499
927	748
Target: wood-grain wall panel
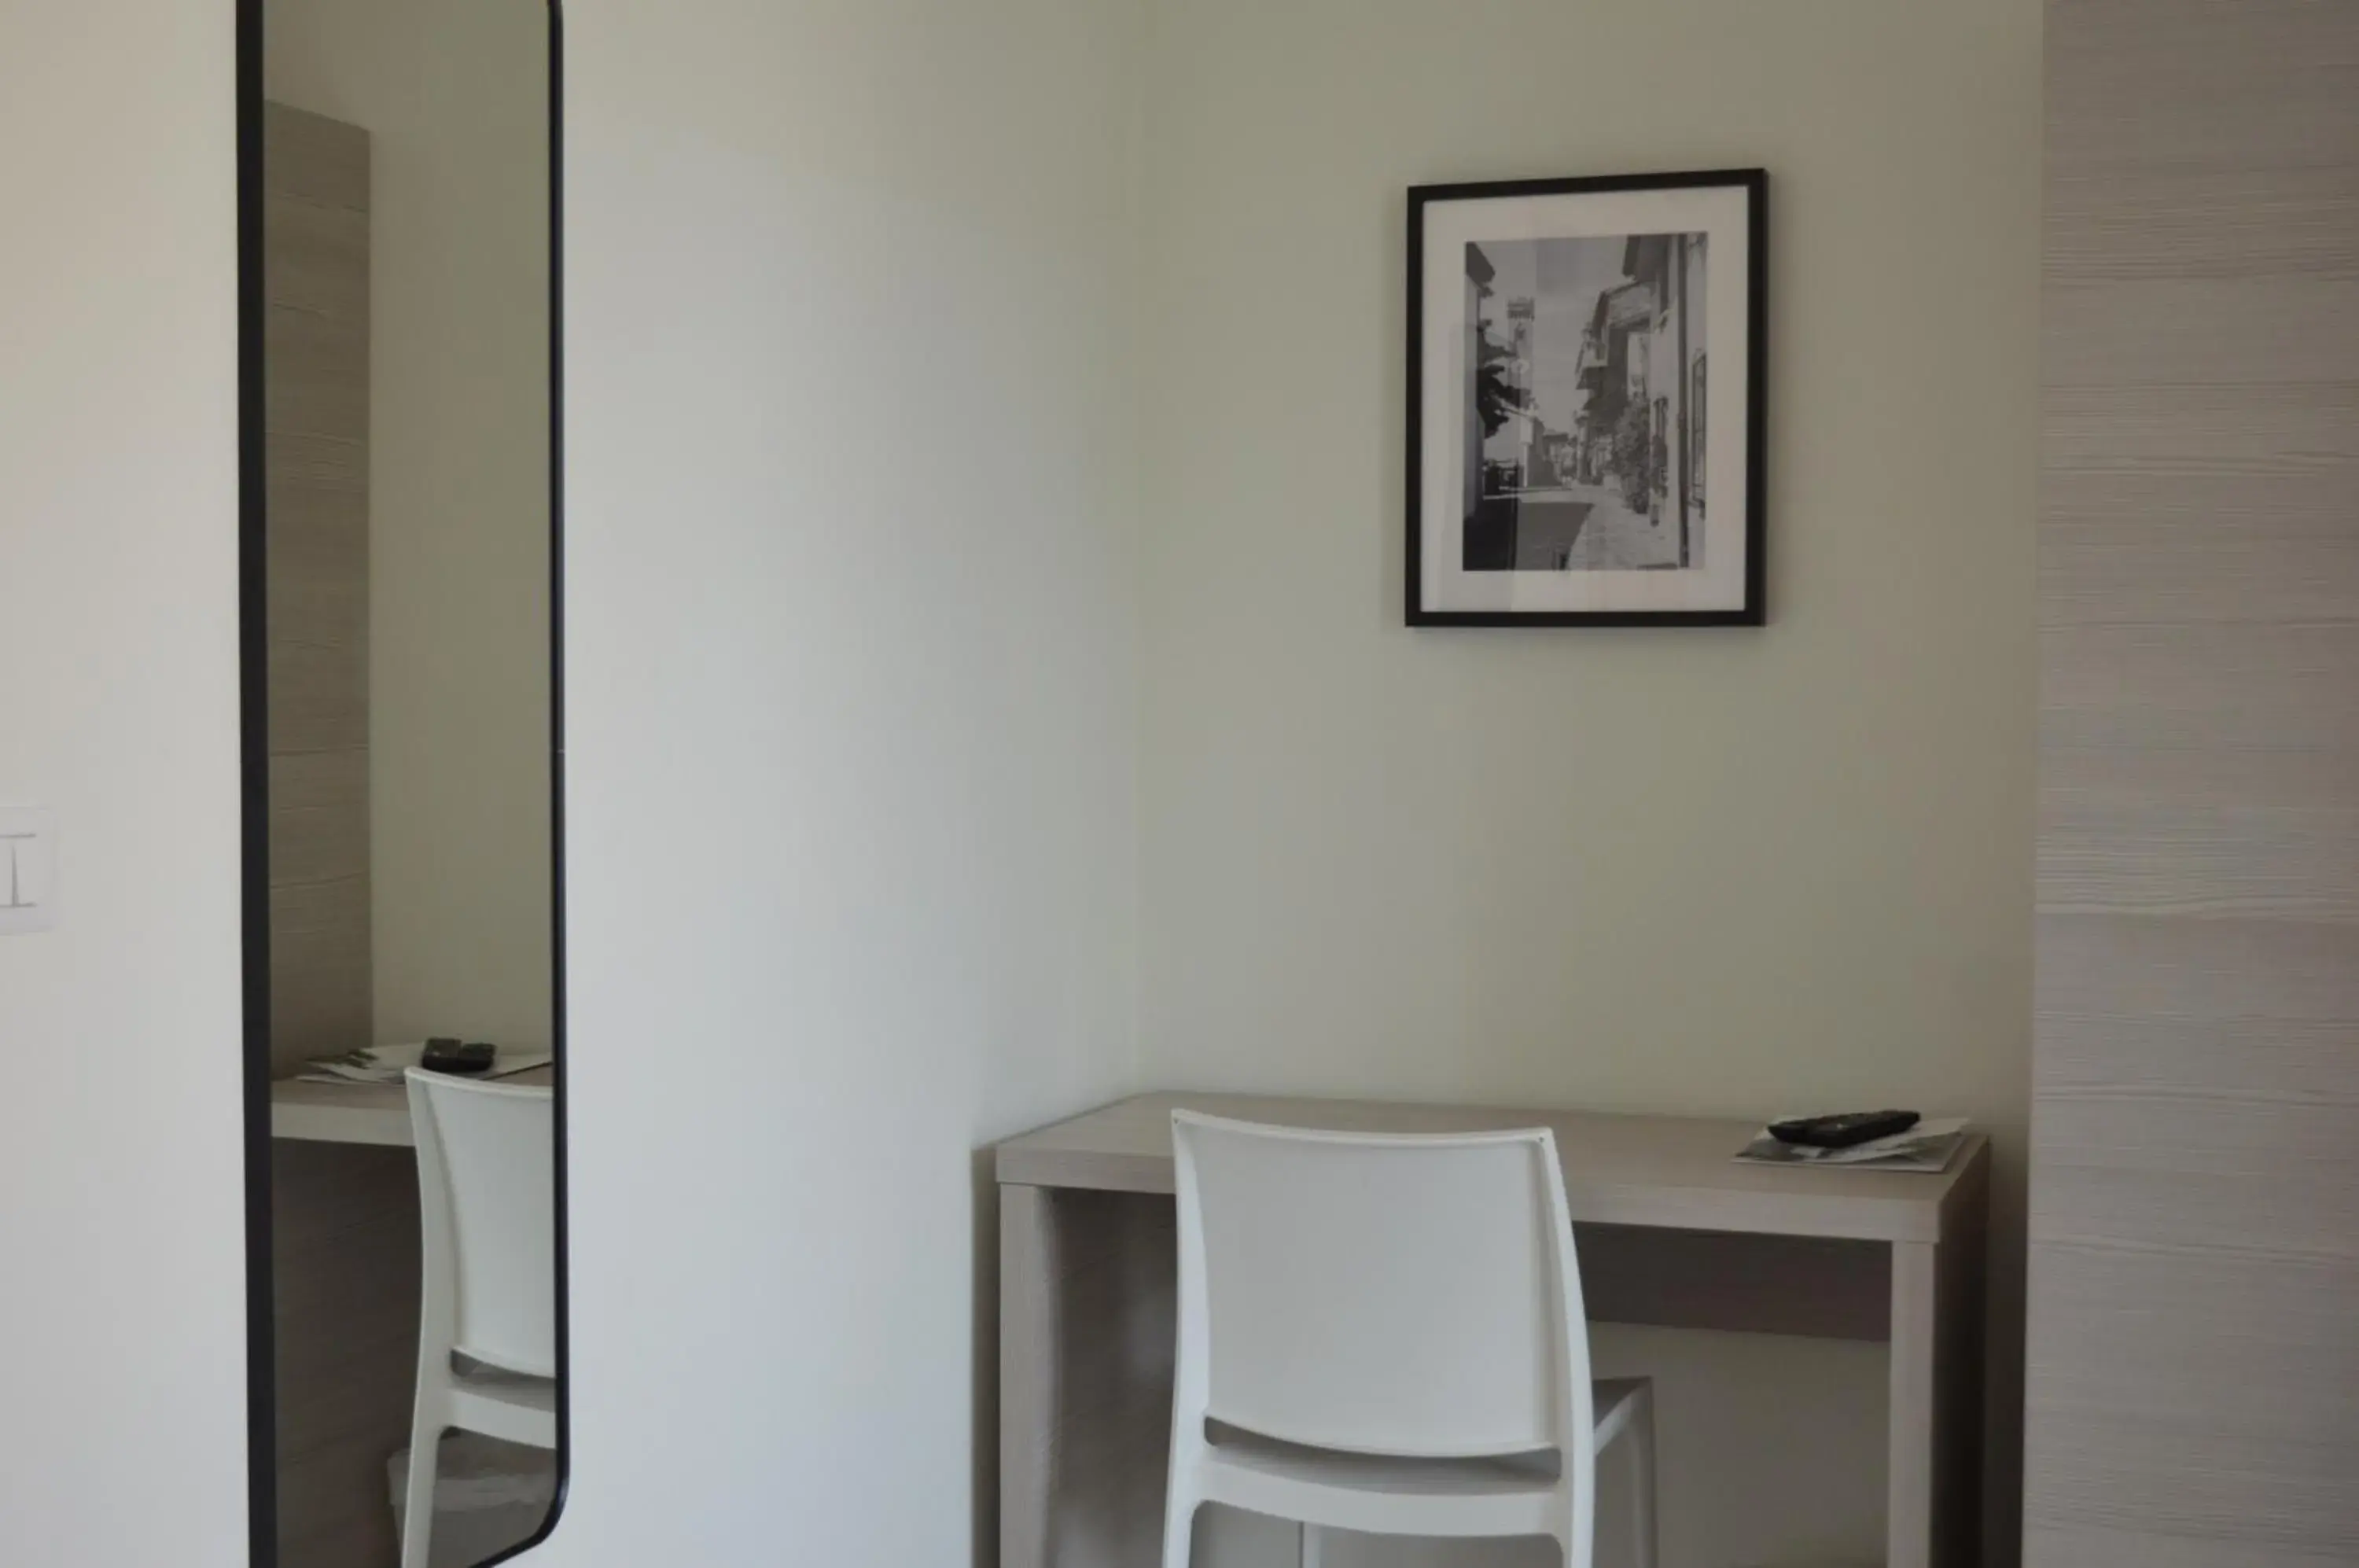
2130	676
316	384
2189	830
311	158
346	1220
319	817
2184	92
2285	995
2250	330
2193	1367
2225	222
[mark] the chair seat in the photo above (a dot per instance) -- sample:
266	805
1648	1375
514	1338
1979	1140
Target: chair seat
513	1406
1506	1494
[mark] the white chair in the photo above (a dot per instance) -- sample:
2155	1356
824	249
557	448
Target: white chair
485	1188
1385	1335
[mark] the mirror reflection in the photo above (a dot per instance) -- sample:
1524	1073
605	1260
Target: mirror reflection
405	181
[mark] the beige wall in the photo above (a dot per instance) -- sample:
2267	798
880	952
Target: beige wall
121	1136
851	579
1739	871
453	95
1368	865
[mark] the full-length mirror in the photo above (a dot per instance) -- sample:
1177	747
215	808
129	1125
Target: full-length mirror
403	189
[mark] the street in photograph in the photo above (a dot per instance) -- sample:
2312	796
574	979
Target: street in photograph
1585	398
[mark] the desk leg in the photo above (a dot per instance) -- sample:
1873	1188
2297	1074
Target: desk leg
1027	1375
1934	1511
1087	1294
1909	1463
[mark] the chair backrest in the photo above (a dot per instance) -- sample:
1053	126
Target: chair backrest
486	1165
1395	1295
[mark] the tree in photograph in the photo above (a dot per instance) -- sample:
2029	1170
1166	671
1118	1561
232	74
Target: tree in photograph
1494	395
1633	451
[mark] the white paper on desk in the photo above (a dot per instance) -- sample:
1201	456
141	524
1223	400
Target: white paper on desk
1925	1148
386	1064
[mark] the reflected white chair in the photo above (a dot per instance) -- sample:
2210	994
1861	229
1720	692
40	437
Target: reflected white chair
486	1200
1385	1335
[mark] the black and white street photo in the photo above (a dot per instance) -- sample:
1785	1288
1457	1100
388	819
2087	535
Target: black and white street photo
1585	420
1586	362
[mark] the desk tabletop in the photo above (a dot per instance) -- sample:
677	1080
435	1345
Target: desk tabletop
1668	1172
314	1112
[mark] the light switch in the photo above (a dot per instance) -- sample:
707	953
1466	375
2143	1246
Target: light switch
29	870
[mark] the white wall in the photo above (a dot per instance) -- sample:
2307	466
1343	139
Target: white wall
1716	872
849	597
123	1307
853	580
857	774
454	96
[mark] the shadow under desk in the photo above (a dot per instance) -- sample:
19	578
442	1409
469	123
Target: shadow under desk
1670	1231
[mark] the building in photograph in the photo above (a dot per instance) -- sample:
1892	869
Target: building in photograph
1583	358
1642	365
1511	449
1479	274
1666	367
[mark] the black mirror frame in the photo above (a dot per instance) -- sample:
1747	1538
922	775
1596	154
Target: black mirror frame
253	763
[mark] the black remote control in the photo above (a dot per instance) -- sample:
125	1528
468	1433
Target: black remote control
443	1054
1845	1131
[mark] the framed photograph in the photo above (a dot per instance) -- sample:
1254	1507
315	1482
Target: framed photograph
1586	361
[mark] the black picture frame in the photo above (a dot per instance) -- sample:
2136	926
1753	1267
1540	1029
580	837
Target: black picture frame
254	810
1750	610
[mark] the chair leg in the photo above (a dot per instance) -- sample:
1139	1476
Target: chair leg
1179	1531
1641	1436
418	1502
1312	1550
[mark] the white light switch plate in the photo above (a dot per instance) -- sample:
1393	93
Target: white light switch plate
29	870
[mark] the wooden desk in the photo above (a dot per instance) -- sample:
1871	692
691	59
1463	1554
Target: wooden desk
1671	1230
353	1113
